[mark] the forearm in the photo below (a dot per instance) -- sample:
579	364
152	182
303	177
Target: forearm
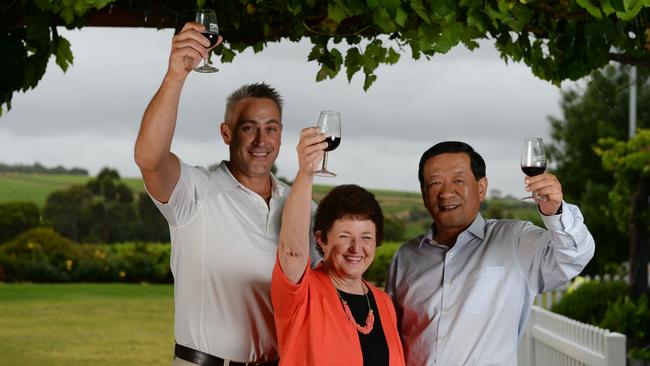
153	145
569	234
571	247
293	249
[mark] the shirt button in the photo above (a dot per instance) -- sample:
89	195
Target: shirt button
444	311
442	338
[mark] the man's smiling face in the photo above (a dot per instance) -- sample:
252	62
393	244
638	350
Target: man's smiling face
253	134
451	193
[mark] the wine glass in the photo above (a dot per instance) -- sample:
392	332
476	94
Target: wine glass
208	18
533	161
329	123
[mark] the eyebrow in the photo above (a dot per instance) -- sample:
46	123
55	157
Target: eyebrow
271	121
454	173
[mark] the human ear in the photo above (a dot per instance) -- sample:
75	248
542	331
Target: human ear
226	132
482	188
320	240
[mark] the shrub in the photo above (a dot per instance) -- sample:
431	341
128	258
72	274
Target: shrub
629	317
40	255
144	262
589	302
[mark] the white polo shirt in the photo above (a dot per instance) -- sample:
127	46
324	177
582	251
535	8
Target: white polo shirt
224	242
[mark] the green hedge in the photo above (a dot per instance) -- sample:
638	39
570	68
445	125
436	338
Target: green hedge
42	255
589	302
608	305
377	271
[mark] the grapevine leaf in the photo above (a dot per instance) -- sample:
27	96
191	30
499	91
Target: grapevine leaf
63	53
370	78
352	62
400	17
590	7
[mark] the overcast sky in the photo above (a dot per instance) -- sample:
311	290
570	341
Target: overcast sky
89	116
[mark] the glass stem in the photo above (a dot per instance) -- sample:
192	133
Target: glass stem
324	162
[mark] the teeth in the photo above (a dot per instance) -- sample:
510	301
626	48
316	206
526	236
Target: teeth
350	258
260	154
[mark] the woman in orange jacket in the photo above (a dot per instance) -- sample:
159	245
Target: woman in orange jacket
329	315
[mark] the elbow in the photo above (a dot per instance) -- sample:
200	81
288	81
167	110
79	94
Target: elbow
289	251
145	160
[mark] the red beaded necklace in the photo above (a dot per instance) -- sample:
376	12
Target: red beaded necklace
370	319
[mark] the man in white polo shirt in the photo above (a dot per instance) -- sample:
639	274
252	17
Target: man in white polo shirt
224	224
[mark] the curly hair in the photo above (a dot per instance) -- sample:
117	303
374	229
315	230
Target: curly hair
348	201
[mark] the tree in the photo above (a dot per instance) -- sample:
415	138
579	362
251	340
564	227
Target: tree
630	163
559	40
598	109
16	217
112	210
67	211
153	226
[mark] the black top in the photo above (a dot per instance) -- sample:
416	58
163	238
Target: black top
373	345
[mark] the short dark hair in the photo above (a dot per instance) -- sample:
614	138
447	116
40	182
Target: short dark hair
255	90
348	201
476	161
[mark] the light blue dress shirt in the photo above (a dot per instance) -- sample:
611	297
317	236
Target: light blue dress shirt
468	305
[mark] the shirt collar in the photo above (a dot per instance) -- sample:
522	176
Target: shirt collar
476	228
277	187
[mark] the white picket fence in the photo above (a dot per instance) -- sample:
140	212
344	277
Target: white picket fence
554	340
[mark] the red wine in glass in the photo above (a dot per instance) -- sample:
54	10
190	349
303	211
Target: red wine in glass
533	161
212	37
532	171
332	143
329	123
208	18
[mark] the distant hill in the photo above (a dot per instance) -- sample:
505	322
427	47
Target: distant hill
36	187
38	168
405	206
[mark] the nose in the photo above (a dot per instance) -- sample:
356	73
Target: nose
258	137
355	246
446	190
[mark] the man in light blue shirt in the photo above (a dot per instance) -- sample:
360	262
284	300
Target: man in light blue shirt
464	290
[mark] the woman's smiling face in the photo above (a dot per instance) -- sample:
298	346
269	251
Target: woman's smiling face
350	247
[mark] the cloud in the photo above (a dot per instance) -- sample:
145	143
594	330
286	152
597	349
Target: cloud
90	115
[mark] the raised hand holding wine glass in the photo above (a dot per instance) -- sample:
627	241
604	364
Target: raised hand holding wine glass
329	123
533	161
208	18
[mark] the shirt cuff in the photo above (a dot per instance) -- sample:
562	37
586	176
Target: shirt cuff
562	220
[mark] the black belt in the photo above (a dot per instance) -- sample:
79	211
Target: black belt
204	359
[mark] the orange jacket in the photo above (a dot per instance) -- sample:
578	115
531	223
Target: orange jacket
312	327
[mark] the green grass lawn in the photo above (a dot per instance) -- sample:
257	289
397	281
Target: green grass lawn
86	324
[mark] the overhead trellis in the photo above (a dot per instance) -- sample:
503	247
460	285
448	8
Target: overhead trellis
557	39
